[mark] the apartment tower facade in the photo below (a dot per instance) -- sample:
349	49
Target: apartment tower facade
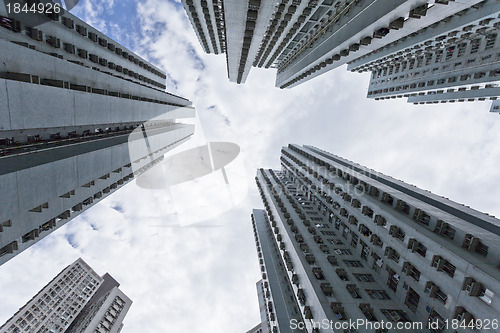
81	116
338	242
76	300
429	51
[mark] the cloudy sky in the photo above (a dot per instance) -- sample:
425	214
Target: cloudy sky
199	276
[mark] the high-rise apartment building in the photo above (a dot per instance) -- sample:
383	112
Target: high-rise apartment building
80	116
76	300
428	50
348	243
452	60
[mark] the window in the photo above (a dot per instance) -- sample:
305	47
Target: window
475	45
53	41
92	36
439	55
421	217
343	251
335	241
377	294
103	42
411	271
412	300
417	247
82	53
397	233
391	254
395	315
70	48
69	23
444	229
443	265
364	230
490	41
9	248
353	263
367	211
477	289
354	240
81	30
353	290
403	207
364	277
449	52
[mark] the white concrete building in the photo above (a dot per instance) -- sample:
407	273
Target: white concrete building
76	300
80	116
428	50
453	60
355	244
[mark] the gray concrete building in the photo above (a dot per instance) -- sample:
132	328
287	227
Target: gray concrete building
80	117
261	327
350	244
232	27
76	300
453	60
428	50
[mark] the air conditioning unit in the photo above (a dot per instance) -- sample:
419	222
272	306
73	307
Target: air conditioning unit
433	290
439	226
440	264
464	317
471	243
